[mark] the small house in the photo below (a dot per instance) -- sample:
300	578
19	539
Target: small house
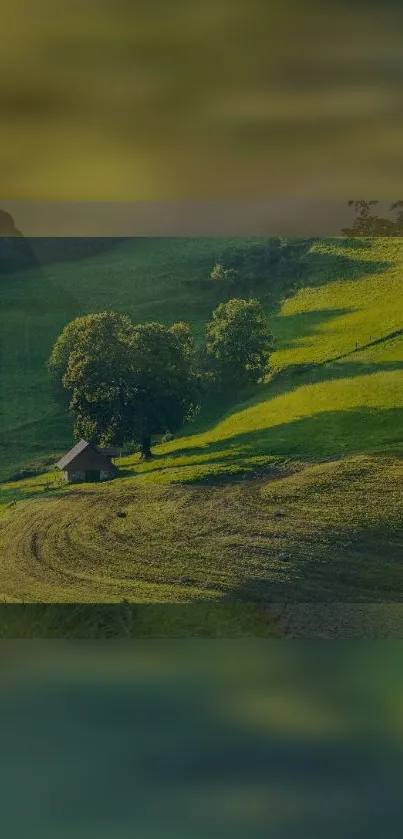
86	462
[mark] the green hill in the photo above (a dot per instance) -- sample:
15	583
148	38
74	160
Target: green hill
292	493
151	279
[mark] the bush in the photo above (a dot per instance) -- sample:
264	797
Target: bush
243	270
249	270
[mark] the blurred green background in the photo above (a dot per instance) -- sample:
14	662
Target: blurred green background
199	739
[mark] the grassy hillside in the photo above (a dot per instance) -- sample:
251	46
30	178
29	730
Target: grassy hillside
349	298
294	493
162	279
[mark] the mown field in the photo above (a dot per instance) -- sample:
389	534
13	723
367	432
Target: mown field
291	494
319	532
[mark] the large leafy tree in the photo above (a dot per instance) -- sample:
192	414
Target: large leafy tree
164	380
126	381
238	343
87	363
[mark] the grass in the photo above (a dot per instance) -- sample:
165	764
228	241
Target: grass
292	493
316	421
352	302
168	280
127	621
316	532
162	279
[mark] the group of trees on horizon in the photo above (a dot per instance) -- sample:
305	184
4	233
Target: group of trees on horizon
368	224
126	382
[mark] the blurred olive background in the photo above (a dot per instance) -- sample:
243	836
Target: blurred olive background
223	99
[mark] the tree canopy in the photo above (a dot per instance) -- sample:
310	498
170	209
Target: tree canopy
367	223
238	342
126	381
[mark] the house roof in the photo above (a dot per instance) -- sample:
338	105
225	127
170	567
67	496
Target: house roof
79	448
73	453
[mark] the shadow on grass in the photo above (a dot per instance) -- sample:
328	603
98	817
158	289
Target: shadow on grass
299	375
322	267
354	244
32	293
295	328
19	253
217	408
314	267
328	434
305	374
201	619
325	435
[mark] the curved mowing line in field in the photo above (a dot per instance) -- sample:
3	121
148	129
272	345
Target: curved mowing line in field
330	531
172	545
77	547
52	556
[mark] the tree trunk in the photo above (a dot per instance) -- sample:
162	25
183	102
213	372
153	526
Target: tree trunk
146	452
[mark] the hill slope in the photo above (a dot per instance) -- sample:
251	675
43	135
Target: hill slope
349	299
161	279
295	493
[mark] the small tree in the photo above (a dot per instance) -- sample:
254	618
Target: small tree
238	343
126	382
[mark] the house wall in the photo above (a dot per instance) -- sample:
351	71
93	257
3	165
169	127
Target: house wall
90	460
78	475
106	475
75	475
